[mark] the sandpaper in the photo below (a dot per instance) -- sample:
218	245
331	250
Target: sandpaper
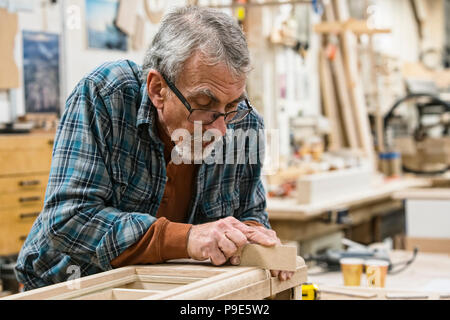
271	258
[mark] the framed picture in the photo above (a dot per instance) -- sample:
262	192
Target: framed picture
102	33
41	72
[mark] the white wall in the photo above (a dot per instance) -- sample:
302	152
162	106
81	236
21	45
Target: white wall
403	42
79	60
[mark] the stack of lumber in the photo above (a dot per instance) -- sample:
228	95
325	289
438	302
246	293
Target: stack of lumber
341	85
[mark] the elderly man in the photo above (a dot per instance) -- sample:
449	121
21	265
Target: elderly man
116	197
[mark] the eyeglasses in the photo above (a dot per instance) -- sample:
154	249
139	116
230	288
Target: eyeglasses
205	116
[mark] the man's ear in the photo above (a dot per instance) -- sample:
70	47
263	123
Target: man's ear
156	88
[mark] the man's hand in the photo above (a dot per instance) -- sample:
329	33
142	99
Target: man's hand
282	275
222	240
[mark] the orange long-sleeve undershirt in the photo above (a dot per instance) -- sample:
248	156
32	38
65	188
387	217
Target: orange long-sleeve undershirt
167	237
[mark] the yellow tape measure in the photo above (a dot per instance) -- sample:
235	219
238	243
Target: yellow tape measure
310	291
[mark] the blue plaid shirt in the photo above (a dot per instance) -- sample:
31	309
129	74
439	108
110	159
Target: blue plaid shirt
107	180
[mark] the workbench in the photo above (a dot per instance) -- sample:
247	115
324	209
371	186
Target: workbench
301	222
427	216
428	276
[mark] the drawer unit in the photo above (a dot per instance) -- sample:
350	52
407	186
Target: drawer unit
22	154
23	183
15	223
23	199
24	168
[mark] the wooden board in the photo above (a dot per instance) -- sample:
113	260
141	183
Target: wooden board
354	82
137	39
126	16
289	209
433	245
363	293
340	79
271	258
423	194
9	73
330	102
314	188
177	279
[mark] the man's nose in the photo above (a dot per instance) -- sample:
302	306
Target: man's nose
218	124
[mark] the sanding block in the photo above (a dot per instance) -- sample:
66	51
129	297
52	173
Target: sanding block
272	258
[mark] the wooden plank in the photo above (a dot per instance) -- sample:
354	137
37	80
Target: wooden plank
89	283
106	294
137	40
354	82
168	279
180	267
9	72
299	277
436	245
332	185
73	293
289	209
363	293
406	296
139	285
340	79
355	26
271	258
423	194
126	16
349	293
330	102
118	294
131	294
258	290
235	278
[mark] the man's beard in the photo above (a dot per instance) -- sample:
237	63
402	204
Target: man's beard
192	152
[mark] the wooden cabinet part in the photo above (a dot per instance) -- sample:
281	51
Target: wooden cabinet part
24	168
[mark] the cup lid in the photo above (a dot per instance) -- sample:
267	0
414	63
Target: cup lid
376	262
351	261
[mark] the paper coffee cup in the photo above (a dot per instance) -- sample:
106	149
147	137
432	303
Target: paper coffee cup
376	271
352	269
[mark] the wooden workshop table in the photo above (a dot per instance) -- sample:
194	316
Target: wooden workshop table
298	222
428	275
427	218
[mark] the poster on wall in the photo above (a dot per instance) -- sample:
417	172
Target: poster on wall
41	72
101	30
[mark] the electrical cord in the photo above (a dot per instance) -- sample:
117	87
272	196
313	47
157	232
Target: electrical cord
404	263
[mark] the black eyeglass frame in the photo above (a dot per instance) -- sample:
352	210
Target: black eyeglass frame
217	114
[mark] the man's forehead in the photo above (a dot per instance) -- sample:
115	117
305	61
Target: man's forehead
206	92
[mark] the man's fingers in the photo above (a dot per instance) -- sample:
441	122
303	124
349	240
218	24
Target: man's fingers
282	275
227	246
238	238
217	257
235	260
256	236
274	273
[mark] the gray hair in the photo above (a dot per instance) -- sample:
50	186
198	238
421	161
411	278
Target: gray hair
188	30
